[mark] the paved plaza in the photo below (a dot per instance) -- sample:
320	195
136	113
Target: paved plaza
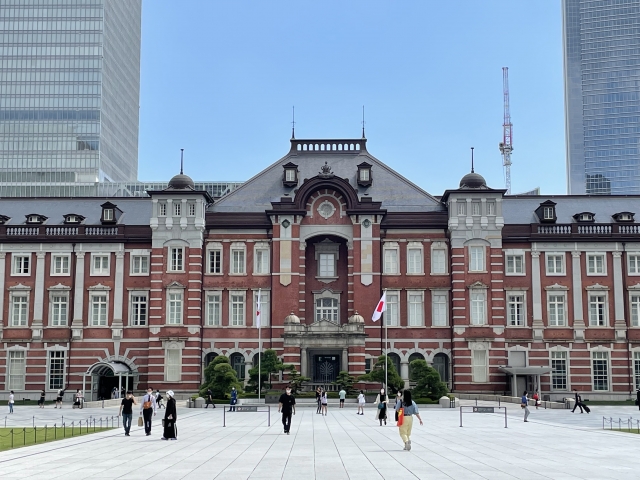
554	444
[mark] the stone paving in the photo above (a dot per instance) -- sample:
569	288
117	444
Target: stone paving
554	444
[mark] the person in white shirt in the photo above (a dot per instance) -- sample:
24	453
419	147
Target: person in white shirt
148	409
11	400
361	402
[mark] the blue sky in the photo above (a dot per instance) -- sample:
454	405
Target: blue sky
219	79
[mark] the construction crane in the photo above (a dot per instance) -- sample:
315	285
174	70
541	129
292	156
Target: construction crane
506	146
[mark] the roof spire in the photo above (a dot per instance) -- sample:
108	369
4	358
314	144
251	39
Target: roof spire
363	122
471	159
293	122
181	160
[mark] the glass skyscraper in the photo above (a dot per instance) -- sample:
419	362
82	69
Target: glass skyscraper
602	95
69	92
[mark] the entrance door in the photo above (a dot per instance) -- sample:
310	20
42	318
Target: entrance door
325	368
521	385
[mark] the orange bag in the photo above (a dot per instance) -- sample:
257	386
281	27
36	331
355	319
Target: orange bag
400	416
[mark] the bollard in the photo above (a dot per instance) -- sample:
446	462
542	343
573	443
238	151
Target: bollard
33	421
24	436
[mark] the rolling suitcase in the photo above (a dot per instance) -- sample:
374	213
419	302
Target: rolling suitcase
586	409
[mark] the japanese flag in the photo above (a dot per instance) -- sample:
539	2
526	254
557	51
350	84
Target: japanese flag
382	306
258	313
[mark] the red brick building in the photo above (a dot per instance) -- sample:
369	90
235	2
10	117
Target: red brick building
499	293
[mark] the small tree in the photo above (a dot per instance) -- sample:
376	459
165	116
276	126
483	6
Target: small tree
296	379
220	377
346	381
377	374
428	383
269	364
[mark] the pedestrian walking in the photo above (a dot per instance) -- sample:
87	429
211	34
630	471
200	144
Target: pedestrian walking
342	396
210	398
323	401
398	404
11	401
405	420
318	400
78	399
536	400
42	398
524	403
59	396
148	409
287	405
170	416
578	403
234	399
126	410
382	400
159	399
361	402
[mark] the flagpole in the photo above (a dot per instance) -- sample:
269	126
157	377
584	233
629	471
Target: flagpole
386	354
259	307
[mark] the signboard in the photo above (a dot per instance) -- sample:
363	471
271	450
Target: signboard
246	409
483	409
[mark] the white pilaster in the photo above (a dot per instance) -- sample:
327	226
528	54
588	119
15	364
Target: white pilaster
536	291
78	297
38	298
578	315
2	270
618	295
118	297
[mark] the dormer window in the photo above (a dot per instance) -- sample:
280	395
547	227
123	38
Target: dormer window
364	174
546	212
107	214
4	219
73	218
549	213
35	219
110	213
623	217
290	175
585	217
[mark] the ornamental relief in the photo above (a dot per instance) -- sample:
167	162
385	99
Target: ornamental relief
326	209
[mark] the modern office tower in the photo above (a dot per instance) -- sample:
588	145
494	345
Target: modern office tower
602	100
69	93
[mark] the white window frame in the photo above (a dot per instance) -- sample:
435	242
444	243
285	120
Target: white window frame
213	298
176	259
327	255
177	208
215	247
634	307
62	293
548	213
63	353
238	268
520	322
514	259
557	322
12	354
594	272
18	264
24	307
237	298
476	208
563	264
491	208
417	249
598	293
560	355
390	248
392	313
102	271
93	295
461	208
62	257
175	376
437	312
600	355
437	250
633	264
265	300
134	317
479	370
478	295
636	369
162	209
191	209
415	309
139	258
261	250
477	258
322	295
175	313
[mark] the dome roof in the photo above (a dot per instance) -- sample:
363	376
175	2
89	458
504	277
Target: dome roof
181	181
356	318
473	180
292	318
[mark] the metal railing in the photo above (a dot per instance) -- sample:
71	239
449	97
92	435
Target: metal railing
627	424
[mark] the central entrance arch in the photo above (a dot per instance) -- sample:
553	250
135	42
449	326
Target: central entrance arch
106	375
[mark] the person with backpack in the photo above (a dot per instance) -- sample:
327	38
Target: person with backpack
405	419
524	403
148	409
381	403
159	399
59	398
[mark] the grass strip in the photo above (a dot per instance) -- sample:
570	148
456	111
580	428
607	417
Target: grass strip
23	436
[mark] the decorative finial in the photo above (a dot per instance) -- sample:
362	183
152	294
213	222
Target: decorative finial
363	121
472	160
325	171
293	123
181	160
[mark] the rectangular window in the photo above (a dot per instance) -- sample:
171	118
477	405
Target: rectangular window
597	310
515	310
172	366
60	265
475	208
478	308
139	265
58	310
557	317
192	209
17	370
237	310
174	316
263	307
21	264
438	264
214	310
462	208
476	259
177	209
548	213
391	261
634	264
635	310
439	310
19	310
515	264
261	261
327	309
636	369
100	265
392	314
600	368
559	370
555	264
491	208
176	259
215	261
237	262
99	310
290	175
138	310
479	368
162	209
414	260
327	265
596	264
56	369
416	309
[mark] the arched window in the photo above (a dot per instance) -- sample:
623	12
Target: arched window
395	359
412	357
209	358
327	309
237	362
441	364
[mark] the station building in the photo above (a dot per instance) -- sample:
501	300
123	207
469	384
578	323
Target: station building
499	293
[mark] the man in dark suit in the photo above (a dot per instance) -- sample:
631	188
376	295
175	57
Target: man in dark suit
578	401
